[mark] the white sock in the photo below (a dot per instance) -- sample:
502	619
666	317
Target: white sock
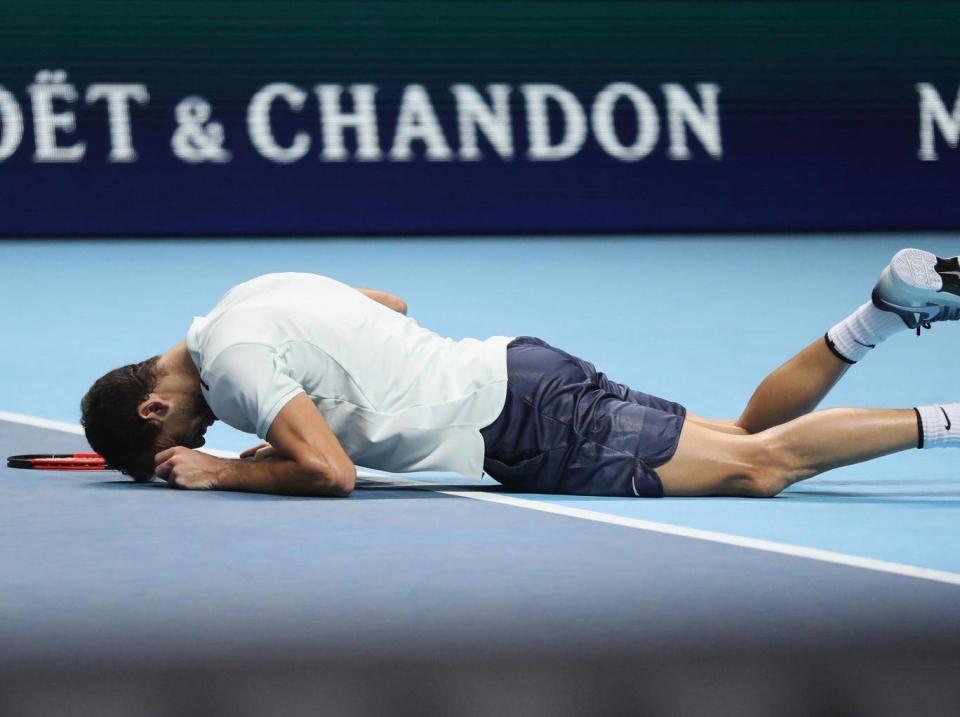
939	425
863	330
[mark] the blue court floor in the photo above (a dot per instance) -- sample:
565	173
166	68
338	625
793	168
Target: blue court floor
836	590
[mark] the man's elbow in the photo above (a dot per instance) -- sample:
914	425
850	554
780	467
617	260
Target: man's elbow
344	480
330	478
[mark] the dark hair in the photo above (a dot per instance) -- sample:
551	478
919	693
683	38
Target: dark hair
114	428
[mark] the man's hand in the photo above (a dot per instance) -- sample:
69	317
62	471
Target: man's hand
186	468
259	453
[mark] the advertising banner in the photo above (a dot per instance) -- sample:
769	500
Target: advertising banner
369	118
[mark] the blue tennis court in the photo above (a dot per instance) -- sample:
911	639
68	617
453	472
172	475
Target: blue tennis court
434	593
684	194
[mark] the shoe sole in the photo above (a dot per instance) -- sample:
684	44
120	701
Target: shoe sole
916	279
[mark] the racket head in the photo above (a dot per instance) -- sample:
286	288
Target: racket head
59	462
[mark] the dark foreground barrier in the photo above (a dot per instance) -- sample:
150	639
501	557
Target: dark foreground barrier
813	684
236	118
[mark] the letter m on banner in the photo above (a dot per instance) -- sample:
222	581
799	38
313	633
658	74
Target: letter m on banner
934	112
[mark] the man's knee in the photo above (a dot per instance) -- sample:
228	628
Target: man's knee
767	466
743	426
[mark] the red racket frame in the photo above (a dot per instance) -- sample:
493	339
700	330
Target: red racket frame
59	462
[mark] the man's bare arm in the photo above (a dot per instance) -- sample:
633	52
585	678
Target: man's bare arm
388	300
307	460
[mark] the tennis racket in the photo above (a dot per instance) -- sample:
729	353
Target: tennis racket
60	462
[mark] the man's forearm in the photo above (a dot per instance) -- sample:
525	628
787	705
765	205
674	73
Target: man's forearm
279	475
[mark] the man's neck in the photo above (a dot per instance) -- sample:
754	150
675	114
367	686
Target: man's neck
177	363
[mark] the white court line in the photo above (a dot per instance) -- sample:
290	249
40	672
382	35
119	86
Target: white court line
739	541
41	422
77	429
769	546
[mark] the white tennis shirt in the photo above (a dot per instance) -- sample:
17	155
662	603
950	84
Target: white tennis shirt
397	396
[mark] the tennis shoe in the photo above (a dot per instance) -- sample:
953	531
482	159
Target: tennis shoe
920	288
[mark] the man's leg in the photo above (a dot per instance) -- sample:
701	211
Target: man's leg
915	289
794	389
790	391
777	441
711	462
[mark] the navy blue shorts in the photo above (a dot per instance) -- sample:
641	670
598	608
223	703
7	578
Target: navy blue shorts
567	428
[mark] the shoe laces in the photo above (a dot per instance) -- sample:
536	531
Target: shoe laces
948	313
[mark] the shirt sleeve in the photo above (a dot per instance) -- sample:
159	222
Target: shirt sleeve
248	386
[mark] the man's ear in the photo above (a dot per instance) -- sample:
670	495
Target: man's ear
153	408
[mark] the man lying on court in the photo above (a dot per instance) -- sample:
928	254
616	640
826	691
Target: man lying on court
332	376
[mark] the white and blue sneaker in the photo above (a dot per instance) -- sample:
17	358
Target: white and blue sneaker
920	288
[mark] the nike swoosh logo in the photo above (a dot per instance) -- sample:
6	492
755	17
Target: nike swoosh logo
946	417
866	346
923	312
